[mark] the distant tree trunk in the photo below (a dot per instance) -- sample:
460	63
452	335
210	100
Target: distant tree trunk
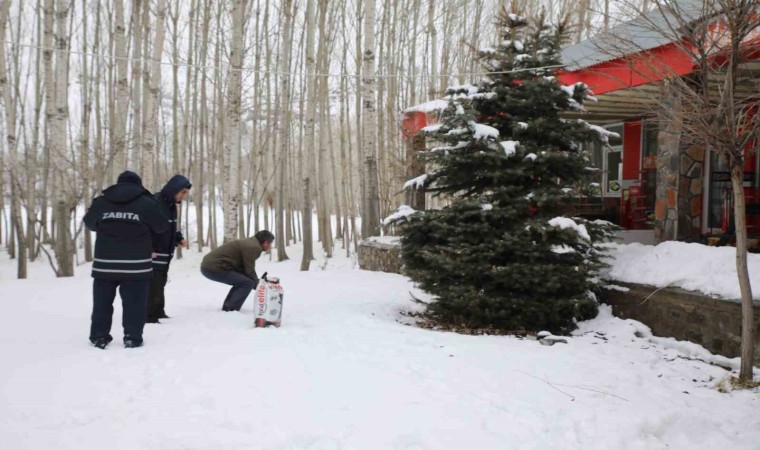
11	140
308	170
58	114
371	217
119	121
283	126
323	212
85	133
153	103
232	134
133	160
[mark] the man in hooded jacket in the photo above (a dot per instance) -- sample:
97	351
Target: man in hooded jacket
175	190
124	218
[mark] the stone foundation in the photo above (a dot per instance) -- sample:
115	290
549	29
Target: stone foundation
380	254
715	324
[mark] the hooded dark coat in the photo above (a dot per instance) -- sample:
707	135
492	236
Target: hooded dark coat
125	218
165	242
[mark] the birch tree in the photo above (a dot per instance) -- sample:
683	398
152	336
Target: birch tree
283	125
119	120
232	131
56	97
11	140
371	200
153	103
308	171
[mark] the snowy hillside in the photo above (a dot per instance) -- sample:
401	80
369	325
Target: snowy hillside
342	373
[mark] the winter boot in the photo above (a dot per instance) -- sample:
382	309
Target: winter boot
101	343
130	342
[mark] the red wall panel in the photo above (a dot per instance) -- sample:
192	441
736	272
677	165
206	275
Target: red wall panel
631	150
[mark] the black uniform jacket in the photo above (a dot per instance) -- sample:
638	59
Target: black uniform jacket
124	218
166	241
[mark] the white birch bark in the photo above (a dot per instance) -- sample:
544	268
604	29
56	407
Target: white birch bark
371	217
153	103
283	125
309	147
232	129
9	106
119	120
58	114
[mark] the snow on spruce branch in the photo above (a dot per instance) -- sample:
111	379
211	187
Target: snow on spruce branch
433	106
403	212
480	131
416	183
565	223
445	148
510	147
603	133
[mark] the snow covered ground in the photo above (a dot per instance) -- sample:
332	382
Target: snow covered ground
695	267
341	373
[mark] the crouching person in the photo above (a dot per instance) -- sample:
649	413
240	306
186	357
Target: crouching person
234	263
124	218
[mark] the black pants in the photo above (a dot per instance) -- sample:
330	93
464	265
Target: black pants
156	299
241	287
134	296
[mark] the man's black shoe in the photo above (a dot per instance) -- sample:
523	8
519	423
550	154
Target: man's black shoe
101	343
152	320
132	343
163	316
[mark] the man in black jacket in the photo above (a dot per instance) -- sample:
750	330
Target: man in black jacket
174	192
124	218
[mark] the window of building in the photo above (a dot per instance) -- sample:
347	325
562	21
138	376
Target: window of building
612	164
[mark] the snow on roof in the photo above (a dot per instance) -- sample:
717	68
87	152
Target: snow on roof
643	33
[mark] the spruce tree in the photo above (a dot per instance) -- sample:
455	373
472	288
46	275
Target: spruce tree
505	253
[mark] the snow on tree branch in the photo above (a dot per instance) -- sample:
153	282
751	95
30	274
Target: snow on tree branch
416	183
510	147
403	212
565	223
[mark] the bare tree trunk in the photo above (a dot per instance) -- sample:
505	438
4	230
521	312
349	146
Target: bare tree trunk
85	133
232	130
57	117
283	125
133	159
119	121
308	170
371	216
153	103
10	125
747	350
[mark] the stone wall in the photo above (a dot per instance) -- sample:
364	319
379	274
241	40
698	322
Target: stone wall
671	312
690	192
380	255
668	167
678	203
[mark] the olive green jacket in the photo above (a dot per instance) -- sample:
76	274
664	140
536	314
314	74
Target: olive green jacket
239	256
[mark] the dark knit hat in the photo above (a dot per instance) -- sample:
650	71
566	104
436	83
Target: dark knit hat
129	177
